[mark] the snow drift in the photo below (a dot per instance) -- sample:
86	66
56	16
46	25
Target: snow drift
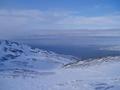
24	68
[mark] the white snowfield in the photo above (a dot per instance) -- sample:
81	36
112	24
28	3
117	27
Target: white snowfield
23	68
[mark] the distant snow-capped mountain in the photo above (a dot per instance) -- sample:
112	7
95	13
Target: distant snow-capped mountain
111	48
14	55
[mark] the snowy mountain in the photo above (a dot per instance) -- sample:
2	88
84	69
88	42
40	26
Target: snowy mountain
24	68
93	62
15	56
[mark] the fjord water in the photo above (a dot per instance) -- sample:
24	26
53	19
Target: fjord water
81	47
83	52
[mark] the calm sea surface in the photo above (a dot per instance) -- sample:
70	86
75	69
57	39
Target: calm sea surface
83	47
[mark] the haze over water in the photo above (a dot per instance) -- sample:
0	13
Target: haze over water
81	44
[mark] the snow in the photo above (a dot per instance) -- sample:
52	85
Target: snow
98	74
16	55
111	48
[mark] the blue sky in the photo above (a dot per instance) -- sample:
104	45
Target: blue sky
26	16
84	7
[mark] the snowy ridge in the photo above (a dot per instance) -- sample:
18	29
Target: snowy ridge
23	68
14	55
103	76
93	62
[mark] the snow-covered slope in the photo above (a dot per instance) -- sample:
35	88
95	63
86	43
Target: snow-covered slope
16	57
98	74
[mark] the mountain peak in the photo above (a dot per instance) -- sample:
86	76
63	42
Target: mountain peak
16	55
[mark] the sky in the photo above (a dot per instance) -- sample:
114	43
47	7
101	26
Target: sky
26	17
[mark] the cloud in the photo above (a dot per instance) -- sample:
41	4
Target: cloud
29	19
25	22
94	22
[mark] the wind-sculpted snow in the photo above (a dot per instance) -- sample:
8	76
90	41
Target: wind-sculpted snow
93	62
93	74
14	55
